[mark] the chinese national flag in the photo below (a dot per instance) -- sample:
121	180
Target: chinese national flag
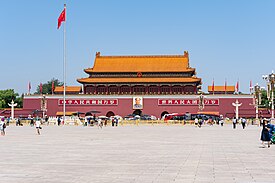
52	87
225	86
213	86
29	87
41	87
237	87
62	17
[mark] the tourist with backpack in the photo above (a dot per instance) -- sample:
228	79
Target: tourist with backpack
2	127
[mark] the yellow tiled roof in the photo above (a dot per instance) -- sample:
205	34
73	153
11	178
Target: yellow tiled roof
221	88
68	89
161	63
139	80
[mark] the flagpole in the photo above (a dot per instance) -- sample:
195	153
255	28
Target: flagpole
213	86
225	86
64	67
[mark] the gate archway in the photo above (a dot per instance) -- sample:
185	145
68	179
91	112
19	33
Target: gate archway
110	113
137	112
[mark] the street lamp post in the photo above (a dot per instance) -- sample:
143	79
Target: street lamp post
257	99
43	106
270	79
201	102
12	105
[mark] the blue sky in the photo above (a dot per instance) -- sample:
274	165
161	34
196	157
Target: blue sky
226	39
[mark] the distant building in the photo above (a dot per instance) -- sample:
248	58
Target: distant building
221	89
69	90
152	85
141	75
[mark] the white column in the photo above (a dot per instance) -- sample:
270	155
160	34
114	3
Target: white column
237	105
12	105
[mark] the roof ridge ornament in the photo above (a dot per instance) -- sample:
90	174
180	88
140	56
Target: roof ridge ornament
186	55
97	54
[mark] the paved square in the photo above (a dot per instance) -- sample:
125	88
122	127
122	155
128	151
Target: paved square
131	153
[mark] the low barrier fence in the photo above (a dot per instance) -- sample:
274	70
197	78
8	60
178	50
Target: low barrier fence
126	122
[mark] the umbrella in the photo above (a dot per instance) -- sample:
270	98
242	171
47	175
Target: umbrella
94	112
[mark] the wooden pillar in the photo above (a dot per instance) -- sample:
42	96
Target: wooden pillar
131	89
107	89
158	88
118	89
95	92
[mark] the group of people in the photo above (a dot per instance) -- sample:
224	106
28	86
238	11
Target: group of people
3	125
200	121
235	122
90	121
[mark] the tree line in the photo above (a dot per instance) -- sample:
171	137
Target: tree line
6	96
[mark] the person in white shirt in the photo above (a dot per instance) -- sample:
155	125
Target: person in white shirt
196	121
37	125
2	126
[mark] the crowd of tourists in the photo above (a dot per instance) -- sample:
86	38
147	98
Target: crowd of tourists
267	135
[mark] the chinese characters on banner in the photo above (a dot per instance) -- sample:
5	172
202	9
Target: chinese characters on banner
89	102
187	101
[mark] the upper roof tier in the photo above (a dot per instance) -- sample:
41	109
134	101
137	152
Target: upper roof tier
158	63
68	89
140	80
221	88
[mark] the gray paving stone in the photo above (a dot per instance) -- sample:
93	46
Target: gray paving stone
144	153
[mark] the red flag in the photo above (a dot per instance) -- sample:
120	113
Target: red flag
225	86
40	87
29	87
213	86
52	87
237	87
62	17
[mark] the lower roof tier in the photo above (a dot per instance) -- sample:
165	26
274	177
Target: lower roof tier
139	80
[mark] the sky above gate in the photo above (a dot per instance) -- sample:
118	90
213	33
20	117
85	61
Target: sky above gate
227	40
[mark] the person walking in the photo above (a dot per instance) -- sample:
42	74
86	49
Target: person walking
38	126
58	121
243	122
200	122
221	122
105	122
196	121
265	135
99	123
2	127
234	121
32	122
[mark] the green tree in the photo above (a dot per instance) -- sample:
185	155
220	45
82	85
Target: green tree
265	102
47	87
6	96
